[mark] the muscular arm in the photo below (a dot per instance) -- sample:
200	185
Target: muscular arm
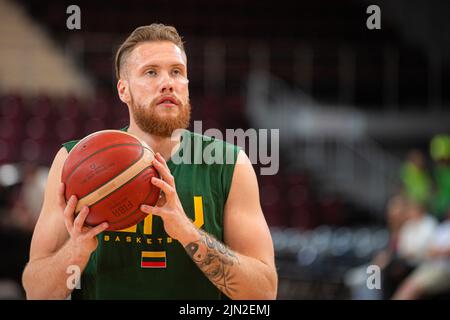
58	241
216	261
46	278
236	275
245	268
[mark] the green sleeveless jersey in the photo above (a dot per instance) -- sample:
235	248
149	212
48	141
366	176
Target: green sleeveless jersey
143	262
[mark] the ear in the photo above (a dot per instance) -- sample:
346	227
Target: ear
123	90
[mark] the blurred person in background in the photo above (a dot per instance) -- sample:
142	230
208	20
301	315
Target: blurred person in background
432	277
413	240
416	232
18	218
396	216
416	181
27	205
440	153
356	278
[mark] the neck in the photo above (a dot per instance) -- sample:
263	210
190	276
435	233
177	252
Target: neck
166	146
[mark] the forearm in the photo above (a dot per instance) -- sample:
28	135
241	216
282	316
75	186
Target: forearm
236	275
47	278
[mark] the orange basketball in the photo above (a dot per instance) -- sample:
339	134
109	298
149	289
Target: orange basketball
110	172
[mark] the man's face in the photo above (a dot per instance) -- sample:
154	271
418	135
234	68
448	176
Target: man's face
154	84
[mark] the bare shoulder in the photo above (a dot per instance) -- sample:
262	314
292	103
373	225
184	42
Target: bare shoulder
50	232
244	172
54	178
244	184
245	228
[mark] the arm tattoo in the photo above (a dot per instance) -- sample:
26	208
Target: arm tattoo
215	260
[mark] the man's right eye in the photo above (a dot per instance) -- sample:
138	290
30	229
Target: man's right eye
151	72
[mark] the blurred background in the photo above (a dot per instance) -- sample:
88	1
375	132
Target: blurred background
363	117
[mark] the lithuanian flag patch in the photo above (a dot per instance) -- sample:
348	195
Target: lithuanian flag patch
153	259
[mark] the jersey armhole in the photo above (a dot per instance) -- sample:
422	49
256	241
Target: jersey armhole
228	170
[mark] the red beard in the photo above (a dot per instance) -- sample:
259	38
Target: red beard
149	121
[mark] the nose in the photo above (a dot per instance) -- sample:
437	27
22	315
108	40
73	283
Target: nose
166	84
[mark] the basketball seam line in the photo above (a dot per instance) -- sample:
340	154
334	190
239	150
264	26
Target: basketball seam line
112	178
101	150
82	201
134	211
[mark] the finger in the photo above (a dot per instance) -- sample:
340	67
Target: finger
97	230
61	195
168	190
79	220
164	172
157	211
146	208
161	159
69	212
